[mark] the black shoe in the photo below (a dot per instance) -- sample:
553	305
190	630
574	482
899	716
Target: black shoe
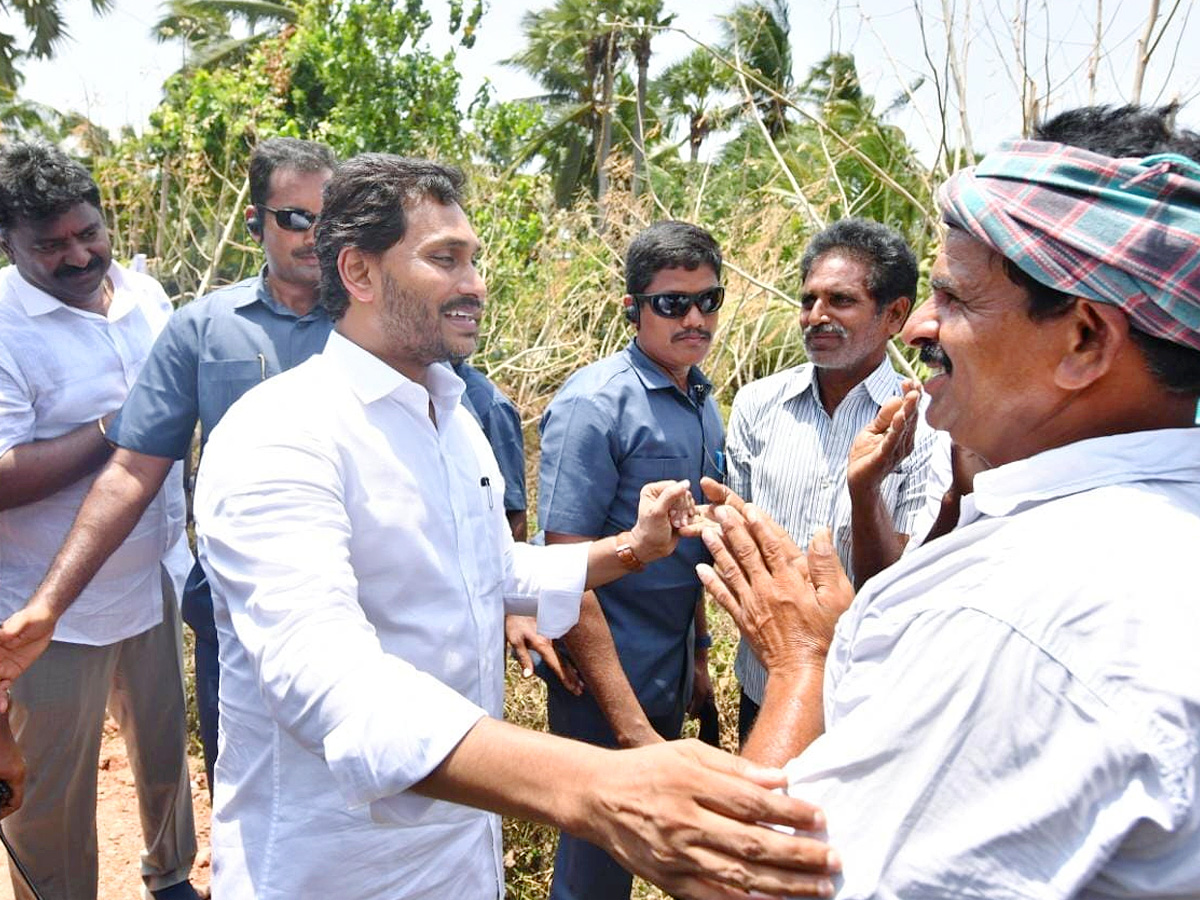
181	891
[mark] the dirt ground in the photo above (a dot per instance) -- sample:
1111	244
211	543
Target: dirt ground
118	830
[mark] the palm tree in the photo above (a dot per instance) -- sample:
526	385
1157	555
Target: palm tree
695	91
576	50
646	19
205	27
758	33
43	19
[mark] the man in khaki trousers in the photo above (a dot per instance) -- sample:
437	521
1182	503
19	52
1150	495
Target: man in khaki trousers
75	328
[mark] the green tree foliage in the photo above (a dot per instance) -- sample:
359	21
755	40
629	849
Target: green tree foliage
361	80
353	73
758	36
695	91
579	51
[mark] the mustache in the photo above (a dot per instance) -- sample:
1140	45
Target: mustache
825	328
932	354
692	332
66	269
470	303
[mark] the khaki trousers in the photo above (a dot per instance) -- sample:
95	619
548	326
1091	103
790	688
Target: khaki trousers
57	716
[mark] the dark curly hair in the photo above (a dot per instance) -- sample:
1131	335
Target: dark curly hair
364	207
38	182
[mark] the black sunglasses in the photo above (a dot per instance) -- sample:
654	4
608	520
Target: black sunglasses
675	304
290	219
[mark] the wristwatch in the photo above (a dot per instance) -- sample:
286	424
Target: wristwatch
625	553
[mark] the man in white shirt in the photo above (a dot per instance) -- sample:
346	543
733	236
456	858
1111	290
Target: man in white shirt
1012	709
349	517
791	434
75	328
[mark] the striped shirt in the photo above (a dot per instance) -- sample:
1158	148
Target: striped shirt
788	456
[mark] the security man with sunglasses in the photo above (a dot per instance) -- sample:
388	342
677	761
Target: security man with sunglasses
211	351
643	414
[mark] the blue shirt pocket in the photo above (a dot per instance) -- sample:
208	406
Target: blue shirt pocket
221	382
656	468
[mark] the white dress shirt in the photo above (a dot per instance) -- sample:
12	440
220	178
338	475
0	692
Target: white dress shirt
361	567
1013	709
60	368
788	456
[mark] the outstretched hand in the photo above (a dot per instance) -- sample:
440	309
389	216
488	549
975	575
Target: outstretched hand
691	819
879	448
664	508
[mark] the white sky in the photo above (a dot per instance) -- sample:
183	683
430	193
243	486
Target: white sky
112	70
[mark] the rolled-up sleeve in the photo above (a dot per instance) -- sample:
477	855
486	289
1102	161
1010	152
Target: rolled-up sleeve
17	418
547	582
159	415
578	476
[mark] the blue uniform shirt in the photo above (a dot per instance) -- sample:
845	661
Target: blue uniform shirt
211	352
616	425
501	424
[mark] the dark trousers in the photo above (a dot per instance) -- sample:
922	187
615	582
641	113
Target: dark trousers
583	871
208	681
198	614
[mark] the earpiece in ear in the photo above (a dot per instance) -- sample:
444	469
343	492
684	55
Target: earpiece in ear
254	225
632	313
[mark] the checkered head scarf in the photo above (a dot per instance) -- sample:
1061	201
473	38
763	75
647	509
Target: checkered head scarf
1119	231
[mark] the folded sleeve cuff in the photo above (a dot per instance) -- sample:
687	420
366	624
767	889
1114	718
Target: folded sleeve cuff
549	582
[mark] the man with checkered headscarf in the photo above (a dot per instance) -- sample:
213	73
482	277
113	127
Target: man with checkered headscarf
1013	709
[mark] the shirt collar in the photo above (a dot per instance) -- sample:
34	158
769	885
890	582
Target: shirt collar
37	302
881	385
1162	455
372	379
654	377
262	294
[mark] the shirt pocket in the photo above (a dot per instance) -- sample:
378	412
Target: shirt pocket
644	469
221	382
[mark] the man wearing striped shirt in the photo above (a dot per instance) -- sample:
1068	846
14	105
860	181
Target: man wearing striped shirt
790	434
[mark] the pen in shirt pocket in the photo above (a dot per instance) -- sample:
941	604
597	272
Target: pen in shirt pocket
486	484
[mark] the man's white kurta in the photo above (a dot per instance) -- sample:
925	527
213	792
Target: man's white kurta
1013	709
361	567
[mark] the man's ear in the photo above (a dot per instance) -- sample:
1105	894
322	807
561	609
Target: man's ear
896	314
1095	334
360	274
